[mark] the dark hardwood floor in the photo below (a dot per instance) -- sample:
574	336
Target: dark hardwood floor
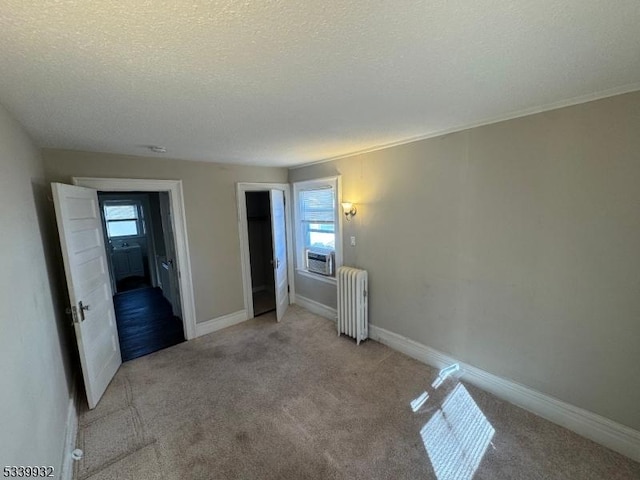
145	322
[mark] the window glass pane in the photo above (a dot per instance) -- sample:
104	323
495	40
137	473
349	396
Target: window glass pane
122	228
120	212
324	241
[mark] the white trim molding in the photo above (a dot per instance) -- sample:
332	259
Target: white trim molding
215	324
243	231
317	277
606	432
174	188
317	307
71	435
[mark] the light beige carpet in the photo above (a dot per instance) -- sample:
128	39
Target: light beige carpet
291	400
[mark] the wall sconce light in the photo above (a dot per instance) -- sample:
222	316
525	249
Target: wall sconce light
349	210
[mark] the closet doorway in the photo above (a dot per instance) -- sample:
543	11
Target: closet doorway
265	247
261	252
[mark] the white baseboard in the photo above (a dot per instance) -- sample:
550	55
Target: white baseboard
219	323
71	434
316	307
606	432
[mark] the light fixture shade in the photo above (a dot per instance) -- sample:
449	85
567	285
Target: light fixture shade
349	210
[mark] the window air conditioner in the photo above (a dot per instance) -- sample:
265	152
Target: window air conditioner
319	262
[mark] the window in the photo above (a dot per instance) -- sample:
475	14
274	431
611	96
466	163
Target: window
122	219
317	214
317	220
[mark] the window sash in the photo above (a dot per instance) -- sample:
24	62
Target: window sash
319	234
127	211
124	229
118	214
123	220
320	230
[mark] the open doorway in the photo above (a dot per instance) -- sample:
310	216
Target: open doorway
267	266
261	252
81	228
140	248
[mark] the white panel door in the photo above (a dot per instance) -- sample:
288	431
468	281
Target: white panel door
90	296
279	234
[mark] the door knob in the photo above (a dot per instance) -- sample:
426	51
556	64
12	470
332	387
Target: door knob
83	308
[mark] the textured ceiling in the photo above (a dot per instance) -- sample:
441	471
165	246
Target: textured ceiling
290	82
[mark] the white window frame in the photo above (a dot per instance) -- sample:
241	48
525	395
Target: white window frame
336	184
140	220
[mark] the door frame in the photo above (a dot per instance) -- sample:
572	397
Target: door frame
176	197
243	229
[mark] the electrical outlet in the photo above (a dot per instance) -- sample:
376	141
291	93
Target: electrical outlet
353	241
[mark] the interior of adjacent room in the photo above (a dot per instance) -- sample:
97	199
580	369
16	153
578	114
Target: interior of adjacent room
141	257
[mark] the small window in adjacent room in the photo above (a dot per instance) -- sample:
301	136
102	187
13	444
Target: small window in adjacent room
317	226
122	220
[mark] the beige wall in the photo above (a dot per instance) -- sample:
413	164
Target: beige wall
211	211
513	247
34	374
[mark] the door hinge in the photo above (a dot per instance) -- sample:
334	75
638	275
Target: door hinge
73	311
288	289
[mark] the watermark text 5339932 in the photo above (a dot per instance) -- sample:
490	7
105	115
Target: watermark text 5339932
27	472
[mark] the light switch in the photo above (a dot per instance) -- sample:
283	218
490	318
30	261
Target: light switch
353	241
